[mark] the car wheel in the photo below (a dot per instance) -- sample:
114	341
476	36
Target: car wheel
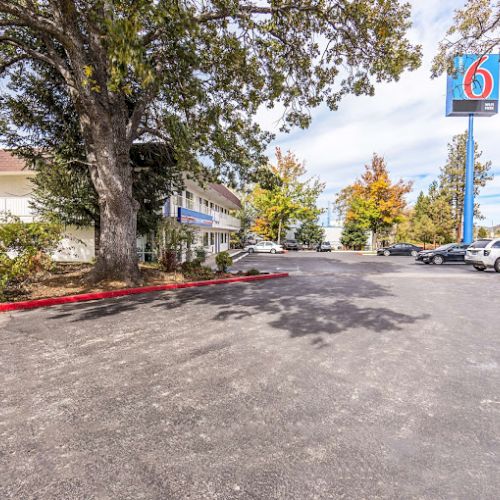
273	250
387	253
414	253
426	262
497	266
479	268
438	260
251	250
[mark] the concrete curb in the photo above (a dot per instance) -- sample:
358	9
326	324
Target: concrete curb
85	297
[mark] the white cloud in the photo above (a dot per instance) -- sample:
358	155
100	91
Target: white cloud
404	121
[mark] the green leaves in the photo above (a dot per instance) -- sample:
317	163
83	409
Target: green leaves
284	197
196	73
475	30
452	177
25	249
374	202
310	232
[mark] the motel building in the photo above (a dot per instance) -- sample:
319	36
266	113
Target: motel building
209	209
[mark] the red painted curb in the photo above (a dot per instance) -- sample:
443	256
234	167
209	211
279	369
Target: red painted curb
84	297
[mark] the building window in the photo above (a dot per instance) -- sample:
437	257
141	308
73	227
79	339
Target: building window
212	239
205	239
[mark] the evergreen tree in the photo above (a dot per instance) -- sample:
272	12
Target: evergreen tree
452	179
482	232
431	219
354	236
310	232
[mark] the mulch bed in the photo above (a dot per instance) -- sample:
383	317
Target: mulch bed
71	279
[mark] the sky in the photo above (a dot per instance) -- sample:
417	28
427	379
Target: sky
404	122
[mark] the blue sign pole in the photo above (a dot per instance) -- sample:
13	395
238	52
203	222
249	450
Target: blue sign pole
469	185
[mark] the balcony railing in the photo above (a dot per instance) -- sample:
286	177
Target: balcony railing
18	206
220	219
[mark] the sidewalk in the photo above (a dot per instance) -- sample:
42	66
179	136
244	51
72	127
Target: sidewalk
234	252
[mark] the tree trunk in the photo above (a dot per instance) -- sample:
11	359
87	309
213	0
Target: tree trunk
117	256
279	232
112	177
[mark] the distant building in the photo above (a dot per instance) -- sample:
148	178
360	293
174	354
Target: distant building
208	209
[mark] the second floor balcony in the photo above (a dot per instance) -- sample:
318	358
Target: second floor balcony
220	219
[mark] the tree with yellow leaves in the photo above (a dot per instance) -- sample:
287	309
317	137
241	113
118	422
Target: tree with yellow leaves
282	197
374	202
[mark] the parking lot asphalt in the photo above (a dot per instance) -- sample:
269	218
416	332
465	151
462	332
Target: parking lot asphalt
356	377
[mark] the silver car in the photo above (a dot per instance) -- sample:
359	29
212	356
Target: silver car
483	254
265	247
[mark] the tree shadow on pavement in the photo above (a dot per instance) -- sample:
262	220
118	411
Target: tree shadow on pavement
307	304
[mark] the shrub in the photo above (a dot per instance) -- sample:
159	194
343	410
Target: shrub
199	273
190	267
252	272
25	250
223	261
170	239
201	255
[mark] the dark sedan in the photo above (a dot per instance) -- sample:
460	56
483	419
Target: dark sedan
452	252
291	245
400	249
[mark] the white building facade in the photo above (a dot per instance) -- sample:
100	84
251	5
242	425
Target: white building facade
209	209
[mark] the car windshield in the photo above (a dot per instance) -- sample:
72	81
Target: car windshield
446	247
480	244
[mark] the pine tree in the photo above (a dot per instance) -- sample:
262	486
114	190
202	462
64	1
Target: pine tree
431	220
452	179
310	232
354	236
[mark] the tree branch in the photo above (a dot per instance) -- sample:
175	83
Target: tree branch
245	10
7	64
52	59
23	17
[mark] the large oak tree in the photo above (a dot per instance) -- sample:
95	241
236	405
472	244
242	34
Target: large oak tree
193	74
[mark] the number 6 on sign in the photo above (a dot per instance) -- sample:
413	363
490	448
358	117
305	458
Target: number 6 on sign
472	88
472	84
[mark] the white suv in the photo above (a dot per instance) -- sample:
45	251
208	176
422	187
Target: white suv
483	254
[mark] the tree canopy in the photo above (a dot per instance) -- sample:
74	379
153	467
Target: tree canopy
431	220
373	201
289	198
353	235
192	75
475	30
452	178
310	232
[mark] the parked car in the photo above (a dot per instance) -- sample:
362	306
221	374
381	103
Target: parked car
452	252
483	254
265	247
324	247
292	245
400	249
